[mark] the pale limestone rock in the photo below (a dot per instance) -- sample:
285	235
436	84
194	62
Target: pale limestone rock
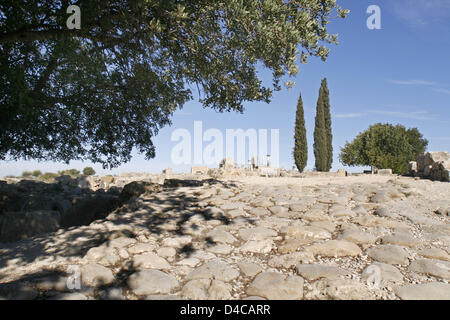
346	289
166	252
141	248
436	268
326	225
121	242
103	255
258	233
401	239
334	248
203	289
215	269
388	253
314	272
190	262
150	261
249	269
261	246
292	245
306	232
259	212
424	291
291	259
236	213
95	275
435	253
220	248
276	286
222	236
146	282
278	210
387	274
358	236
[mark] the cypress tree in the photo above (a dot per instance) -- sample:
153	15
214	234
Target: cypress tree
327	119
300	142
320	136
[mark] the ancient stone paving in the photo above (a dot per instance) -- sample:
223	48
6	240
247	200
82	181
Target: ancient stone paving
234	240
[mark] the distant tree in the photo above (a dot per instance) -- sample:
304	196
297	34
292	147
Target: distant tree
48	176
384	146
70	172
300	141
320	135
88	171
97	92
327	120
37	173
27	174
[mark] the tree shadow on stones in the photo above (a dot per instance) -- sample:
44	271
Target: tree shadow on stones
74	241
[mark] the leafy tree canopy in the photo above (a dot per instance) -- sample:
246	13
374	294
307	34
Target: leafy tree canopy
88	171
384	146
97	92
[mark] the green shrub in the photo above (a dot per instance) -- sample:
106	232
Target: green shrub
37	173
48	176
88	171
70	172
26	174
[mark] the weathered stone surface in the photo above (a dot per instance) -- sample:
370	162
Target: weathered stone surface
204	289
334	248
103	255
222	236
166	252
141	248
389	254
146	282
249	269
191	262
260	212
95	275
176	241
288	260
316	271
278	210
276	286
346	289
258	233
306	232
150	261
220	248
435	253
261	246
215	269
401	239
121	242
358	236
436	268
424	291
292	245
381	274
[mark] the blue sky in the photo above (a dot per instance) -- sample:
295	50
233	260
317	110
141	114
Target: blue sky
399	74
